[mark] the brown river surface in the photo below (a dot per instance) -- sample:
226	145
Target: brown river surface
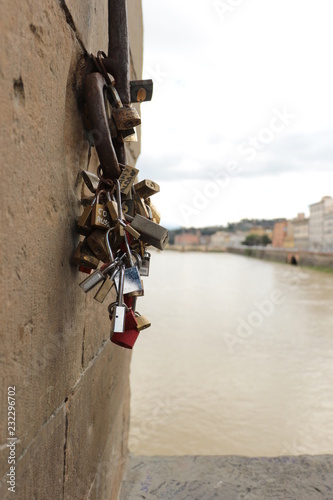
238	360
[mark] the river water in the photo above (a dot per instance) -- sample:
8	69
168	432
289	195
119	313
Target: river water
238	360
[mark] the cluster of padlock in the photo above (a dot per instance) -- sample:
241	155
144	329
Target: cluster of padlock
119	223
117	233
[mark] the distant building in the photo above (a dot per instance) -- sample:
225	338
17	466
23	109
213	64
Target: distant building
188	238
257	230
220	239
237	238
328	231
279	234
301	232
289	235
319	212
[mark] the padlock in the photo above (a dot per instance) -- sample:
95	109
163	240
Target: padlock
97	276
105	289
155	213
126	117
97	244
84	256
112	207
137	293
121	225
126	339
83	225
118	310
145	264
132	281
151	233
91	180
128	208
131	137
100	216
127	178
141	90
130	320
101	274
140	206
142	321
127	227
84	269
146	188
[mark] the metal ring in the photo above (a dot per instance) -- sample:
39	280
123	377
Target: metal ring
94	94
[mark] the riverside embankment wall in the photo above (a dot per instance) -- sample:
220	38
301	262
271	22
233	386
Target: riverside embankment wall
289	256
71	383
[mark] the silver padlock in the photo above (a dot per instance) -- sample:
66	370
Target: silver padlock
132	280
118	310
96	277
145	264
100	274
151	233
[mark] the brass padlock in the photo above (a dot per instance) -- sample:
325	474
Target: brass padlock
155	213
128	208
100	216
142	321
126	117
104	290
140	206
127	178
83	225
151	233
146	188
112	207
97	245
84	256
141	90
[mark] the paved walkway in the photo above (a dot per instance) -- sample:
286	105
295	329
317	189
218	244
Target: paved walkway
229	478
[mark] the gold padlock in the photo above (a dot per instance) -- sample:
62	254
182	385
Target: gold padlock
112	207
142	321
126	117
155	213
104	290
83	225
146	188
100	216
97	245
139	206
84	256
127	178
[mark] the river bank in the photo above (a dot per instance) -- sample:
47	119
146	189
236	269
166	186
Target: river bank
316	260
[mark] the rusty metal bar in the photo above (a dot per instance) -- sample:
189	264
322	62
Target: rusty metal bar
117	62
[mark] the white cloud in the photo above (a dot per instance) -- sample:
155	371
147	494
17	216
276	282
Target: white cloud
217	84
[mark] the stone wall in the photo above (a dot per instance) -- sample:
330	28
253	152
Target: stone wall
288	256
71	382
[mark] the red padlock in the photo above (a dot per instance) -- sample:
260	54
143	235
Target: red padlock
84	269
126	339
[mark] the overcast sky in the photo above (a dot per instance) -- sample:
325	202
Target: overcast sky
240	124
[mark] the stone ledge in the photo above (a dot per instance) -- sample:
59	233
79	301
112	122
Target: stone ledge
229	478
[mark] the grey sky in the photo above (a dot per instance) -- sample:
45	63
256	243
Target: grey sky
241	81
